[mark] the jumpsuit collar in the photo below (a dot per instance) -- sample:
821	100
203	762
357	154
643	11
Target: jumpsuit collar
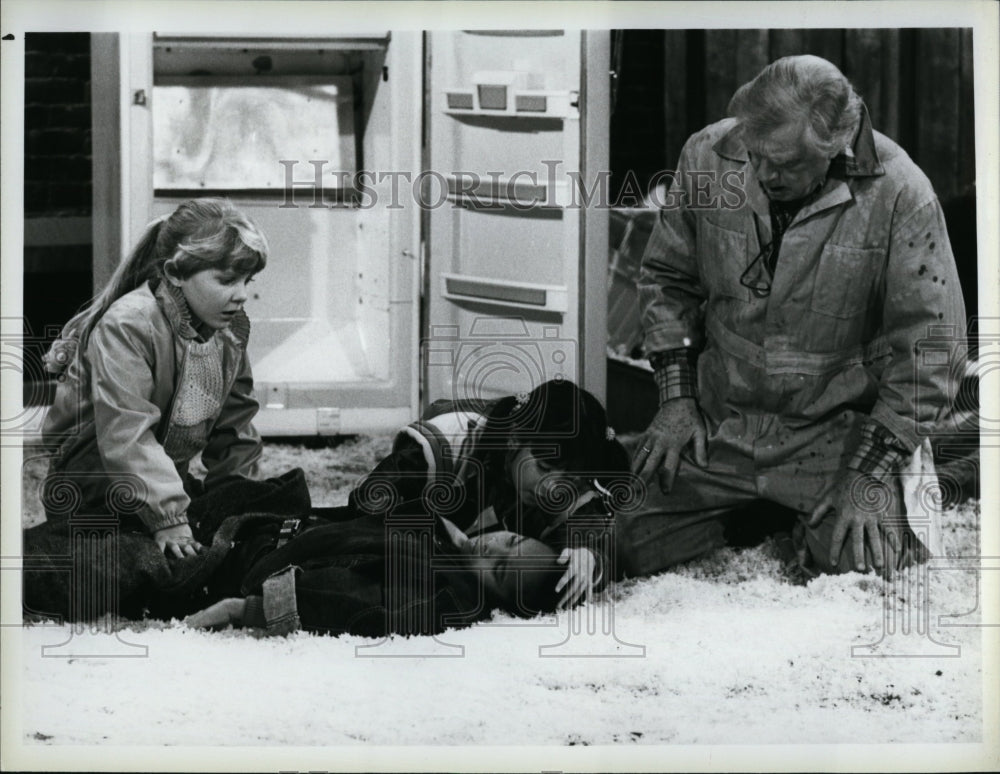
860	160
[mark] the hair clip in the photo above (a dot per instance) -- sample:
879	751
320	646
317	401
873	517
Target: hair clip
521	399
56	360
609	433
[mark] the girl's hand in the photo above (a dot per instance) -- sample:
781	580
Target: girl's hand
178	540
578	580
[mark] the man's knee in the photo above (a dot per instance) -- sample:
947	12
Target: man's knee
648	543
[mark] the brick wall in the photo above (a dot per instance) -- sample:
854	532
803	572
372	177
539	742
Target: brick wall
58	196
57	173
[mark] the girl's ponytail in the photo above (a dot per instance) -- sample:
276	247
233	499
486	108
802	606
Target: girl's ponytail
199	234
141	265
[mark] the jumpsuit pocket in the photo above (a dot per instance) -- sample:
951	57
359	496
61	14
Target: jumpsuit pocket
722	260
845	280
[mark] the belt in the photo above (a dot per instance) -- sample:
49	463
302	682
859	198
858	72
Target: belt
289	529
788	361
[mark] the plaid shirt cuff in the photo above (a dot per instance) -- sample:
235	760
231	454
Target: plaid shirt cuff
880	453
674	374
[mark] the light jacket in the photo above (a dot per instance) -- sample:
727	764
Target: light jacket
149	396
865	308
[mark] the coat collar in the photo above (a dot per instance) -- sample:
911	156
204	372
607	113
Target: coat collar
175	308
860	160
833	192
178	313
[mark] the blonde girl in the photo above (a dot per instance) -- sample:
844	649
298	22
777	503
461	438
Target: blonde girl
154	371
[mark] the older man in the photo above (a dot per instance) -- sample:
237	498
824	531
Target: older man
784	314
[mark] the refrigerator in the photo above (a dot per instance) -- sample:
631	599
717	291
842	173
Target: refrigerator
435	205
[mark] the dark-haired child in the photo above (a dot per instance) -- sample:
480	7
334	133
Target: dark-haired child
519	491
522	464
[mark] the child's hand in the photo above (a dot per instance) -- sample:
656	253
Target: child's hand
228	612
578	580
178	540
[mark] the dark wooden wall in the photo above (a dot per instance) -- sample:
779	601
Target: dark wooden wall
917	83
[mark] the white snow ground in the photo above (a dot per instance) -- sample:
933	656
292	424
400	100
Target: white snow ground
744	662
722	651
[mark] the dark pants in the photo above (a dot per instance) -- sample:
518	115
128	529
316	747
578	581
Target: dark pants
751	459
84	562
406	575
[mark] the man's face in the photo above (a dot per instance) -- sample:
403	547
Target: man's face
785	164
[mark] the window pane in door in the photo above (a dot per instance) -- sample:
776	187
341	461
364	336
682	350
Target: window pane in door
231	133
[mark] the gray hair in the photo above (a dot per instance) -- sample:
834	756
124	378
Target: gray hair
794	88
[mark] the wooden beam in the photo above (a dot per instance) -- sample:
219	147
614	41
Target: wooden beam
105	92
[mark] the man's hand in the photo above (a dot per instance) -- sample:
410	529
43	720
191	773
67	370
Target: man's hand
578	580
859	503
178	540
677	423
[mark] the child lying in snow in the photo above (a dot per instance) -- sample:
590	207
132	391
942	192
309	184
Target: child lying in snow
504	504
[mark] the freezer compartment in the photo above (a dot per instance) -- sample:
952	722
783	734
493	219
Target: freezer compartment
280	127
233	106
226	132
321	310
